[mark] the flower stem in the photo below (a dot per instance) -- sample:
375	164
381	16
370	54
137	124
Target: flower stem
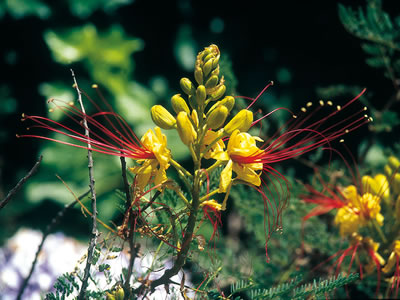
380	232
204	198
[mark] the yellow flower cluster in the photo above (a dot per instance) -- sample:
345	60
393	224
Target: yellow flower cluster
360	209
200	121
361	220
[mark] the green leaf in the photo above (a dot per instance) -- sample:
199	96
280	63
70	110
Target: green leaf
106	56
83	9
20	8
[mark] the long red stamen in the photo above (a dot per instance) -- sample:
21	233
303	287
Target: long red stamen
121	142
259	95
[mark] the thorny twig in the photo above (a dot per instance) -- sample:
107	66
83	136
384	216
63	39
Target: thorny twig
46	233
12	193
93	238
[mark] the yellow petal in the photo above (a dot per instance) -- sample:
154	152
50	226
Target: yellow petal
226	177
390	264
245	173
142	180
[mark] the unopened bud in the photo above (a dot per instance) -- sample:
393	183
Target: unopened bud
211	82
195	117
216	61
119	293
396	184
185	128
394	162
162	117
110	296
179	104
207	67
219	92
217	117
215	72
187	86
382	186
241	121
201	95
198	75
228	102
388	171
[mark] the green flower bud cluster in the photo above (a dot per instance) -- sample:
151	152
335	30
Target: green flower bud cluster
192	119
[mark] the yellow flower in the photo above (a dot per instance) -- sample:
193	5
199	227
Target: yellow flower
358	211
348	219
241	145
378	186
155	167
372	248
394	256
217	150
212	204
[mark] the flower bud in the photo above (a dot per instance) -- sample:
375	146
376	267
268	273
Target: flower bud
217	117
208	57
396	184
215	71
383	186
394	162
219	92
110	296
216	61
388	171
185	128
211	82
179	104
187	86
162	117
241	121
201	95
198	75
119	293
228	102
207	67
195	117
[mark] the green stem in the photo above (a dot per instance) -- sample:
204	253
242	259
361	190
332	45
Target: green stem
204	198
183	173
180	168
183	198
380	232
215	165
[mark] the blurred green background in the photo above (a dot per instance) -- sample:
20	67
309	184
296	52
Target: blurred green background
137	51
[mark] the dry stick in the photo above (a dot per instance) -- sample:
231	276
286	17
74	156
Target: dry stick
12	193
95	233
132	247
47	231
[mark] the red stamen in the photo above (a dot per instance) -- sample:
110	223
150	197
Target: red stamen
119	141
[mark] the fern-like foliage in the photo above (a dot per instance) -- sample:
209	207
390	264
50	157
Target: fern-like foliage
382	34
287	290
281	290
323	286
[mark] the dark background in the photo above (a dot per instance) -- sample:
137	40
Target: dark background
260	37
